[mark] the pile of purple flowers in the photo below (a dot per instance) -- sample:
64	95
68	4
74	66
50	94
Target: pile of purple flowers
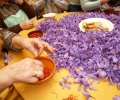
86	55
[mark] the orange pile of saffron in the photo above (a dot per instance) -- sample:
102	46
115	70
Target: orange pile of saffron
71	97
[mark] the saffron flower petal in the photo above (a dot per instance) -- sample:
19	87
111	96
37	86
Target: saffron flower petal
116	97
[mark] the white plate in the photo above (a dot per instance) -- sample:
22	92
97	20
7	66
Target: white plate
105	23
49	15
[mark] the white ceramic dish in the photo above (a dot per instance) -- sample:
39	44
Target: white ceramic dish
104	22
49	15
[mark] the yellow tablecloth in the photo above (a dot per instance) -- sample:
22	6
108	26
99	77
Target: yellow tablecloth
51	90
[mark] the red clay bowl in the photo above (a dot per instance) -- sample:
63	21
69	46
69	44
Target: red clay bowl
49	68
35	34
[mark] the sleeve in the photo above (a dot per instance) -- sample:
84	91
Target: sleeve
7	39
38	5
15	29
62	4
28	9
88	5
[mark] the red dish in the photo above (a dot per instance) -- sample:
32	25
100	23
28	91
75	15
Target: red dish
35	34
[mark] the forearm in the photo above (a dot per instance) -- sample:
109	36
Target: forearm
16	28
5	79
87	5
16	42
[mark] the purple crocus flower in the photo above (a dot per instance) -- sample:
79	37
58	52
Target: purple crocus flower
86	93
86	55
65	83
7	58
116	97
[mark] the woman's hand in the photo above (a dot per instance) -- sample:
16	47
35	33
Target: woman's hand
27	70
34	45
27	24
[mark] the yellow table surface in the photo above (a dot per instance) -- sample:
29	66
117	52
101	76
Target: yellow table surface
51	90
1	62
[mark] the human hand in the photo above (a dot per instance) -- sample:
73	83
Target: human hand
27	70
26	24
34	45
19	1
104	1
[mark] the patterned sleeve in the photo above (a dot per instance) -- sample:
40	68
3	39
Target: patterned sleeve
38	4
7	39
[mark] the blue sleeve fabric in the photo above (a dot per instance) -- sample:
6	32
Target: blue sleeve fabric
62	4
40	4
88	5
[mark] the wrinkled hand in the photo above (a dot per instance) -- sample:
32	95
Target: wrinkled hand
27	70
34	45
27	24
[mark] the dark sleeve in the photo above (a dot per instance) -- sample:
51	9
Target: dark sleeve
27	9
7	39
15	28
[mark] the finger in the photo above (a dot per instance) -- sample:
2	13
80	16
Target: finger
37	68
31	25
48	48
33	80
40	74
30	22
37	62
39	45
30	47
33	47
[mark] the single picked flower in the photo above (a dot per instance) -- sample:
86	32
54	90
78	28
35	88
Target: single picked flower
65	83
6	57
116	97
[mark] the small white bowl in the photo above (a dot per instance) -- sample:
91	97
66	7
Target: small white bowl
49	15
